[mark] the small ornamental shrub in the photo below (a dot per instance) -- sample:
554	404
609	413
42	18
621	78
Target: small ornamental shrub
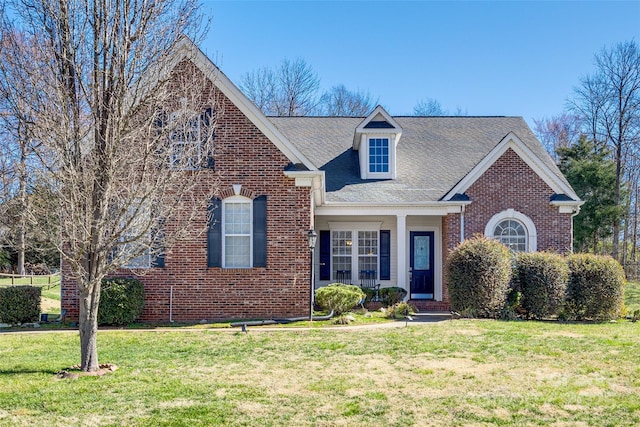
479	272
392	295
369	293
20	304
542	280
596	288
121	301
400	310
339	297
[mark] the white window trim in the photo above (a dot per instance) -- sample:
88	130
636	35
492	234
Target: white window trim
236	199
527	223
364	155
354	228
389	141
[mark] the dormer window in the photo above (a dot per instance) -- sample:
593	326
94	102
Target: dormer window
376	138
379	155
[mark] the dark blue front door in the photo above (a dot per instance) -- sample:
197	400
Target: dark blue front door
421	263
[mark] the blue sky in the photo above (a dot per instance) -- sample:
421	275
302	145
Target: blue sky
514	58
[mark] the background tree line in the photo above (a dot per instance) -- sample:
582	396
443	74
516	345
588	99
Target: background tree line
596	142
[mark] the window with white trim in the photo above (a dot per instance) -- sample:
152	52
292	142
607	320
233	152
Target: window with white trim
350	257
513	229
511	234
237	229
379	155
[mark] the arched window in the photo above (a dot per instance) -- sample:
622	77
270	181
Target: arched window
511	234
513	229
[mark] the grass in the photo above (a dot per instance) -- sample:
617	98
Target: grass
632	296
463	372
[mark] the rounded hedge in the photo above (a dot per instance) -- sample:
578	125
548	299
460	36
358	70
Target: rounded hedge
595	289
542	281
338	297
121	301
479	272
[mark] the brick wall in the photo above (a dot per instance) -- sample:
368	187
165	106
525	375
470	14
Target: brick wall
511	184
243	156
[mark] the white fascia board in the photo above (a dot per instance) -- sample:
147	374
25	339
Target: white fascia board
567	206
357	209
185	48
314	179
360	129
512	141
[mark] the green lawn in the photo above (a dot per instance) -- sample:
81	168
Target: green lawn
463	372
632	296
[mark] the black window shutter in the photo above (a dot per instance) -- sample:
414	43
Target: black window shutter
260	231
325	255
214	234
208	159
385	255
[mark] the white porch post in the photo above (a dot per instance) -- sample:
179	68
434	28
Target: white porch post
401	248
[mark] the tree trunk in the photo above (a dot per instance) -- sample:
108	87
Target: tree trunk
88	326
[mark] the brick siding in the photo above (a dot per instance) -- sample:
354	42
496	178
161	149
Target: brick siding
243	156
511	184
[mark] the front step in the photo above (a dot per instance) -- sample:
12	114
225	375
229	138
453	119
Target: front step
431	306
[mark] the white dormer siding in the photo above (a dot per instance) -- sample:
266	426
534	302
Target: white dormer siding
376	139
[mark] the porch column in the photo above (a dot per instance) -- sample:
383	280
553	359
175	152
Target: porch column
401	251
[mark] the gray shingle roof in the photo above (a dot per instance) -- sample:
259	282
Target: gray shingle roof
433	155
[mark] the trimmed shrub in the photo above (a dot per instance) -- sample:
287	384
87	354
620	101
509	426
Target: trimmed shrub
392	295
20	304
596	288
542	280
121	301
479	272
338	297
369	293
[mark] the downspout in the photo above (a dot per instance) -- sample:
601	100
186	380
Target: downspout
462	224
573	215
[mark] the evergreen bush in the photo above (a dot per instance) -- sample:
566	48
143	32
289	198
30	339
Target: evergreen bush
121	301
596	288
479	273
542	281
339	298
20	304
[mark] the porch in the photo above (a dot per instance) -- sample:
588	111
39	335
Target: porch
402	250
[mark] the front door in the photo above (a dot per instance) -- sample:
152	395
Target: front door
421	264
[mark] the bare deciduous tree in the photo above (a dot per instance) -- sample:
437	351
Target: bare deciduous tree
289	90
340	101
609	103
433	107
124	129
557	132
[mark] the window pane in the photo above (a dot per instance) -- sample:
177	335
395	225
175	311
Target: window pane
237	251
341	247
368	251
378	154
512	234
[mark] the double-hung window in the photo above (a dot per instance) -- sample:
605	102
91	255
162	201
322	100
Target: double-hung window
236	217
237	235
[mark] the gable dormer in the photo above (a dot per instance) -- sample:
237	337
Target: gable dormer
375	140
